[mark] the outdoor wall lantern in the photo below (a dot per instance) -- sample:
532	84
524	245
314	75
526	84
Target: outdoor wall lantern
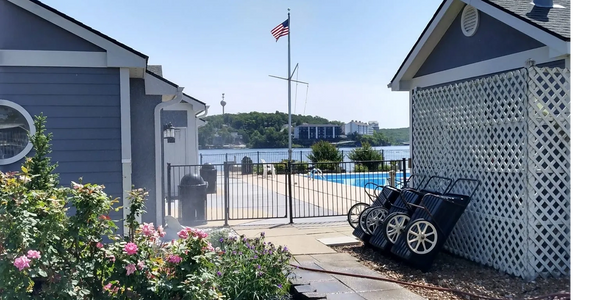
169	133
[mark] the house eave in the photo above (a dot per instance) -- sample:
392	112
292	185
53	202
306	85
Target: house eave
118	55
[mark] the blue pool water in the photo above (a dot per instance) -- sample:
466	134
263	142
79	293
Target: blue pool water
360	179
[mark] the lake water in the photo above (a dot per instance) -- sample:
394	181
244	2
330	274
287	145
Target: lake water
218	156
360	179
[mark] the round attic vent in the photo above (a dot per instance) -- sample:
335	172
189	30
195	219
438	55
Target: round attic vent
469	20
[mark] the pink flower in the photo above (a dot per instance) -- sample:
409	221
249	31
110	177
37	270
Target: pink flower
148	229
22	262
130	269
108	286
131	248
141	264
183	234
112	258
99	245
174	259
202	234
161	231
33	254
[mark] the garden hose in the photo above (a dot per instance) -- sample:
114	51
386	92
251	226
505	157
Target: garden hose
564	295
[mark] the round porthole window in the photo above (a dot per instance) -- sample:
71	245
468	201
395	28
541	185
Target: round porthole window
15	125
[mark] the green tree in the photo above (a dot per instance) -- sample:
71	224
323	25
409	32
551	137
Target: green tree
40	164
365	155
325	155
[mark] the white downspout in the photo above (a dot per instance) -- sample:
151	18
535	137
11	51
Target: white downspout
125	140
158	141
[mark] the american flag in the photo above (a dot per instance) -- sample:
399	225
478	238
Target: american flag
281	30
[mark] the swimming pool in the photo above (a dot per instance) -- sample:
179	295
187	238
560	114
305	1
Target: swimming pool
360	179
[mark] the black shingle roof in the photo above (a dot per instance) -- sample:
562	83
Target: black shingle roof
556	21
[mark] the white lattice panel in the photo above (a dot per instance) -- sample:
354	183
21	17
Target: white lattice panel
511	131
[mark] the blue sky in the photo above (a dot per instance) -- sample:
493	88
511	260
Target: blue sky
347	51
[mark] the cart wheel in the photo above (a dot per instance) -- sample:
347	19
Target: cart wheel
354	213
374	218
395	223
421	237
362	219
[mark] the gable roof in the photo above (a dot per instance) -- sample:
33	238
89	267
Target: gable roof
45	6
549	26
117	54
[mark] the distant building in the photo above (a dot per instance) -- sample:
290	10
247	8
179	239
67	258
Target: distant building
361	127
374	126
317	132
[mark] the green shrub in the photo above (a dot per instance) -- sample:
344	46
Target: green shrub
325	152
365	154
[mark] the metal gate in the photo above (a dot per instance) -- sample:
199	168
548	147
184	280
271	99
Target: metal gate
239	191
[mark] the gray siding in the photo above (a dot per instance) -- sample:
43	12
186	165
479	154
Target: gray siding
142	144
492	39
82	106
30	32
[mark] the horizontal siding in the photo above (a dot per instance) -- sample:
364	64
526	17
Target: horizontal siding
82	107
85	133
89	100
90	144
60	89
91	166
97	122
84	155
68	78
71	111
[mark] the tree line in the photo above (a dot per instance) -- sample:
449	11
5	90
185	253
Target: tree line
269	130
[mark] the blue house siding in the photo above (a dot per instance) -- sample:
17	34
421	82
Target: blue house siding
142	144
83	115
30	32
492	39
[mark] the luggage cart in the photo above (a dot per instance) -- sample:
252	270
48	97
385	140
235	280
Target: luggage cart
432	222
387	232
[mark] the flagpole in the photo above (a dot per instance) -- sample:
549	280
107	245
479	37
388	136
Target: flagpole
289	93
289	176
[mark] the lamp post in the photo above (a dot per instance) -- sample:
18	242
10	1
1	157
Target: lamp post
168	133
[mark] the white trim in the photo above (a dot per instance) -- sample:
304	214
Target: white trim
192	137
39	58
117	56
197	106
155	86
29	120
158	155
125	140
508	62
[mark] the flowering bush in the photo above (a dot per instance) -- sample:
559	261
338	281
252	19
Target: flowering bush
46	253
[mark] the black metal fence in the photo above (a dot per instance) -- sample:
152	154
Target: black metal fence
237	191
279	156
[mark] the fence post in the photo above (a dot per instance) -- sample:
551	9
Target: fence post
226	191
404	170
200	158
300	156
226	157
289	186
169	189
258	161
